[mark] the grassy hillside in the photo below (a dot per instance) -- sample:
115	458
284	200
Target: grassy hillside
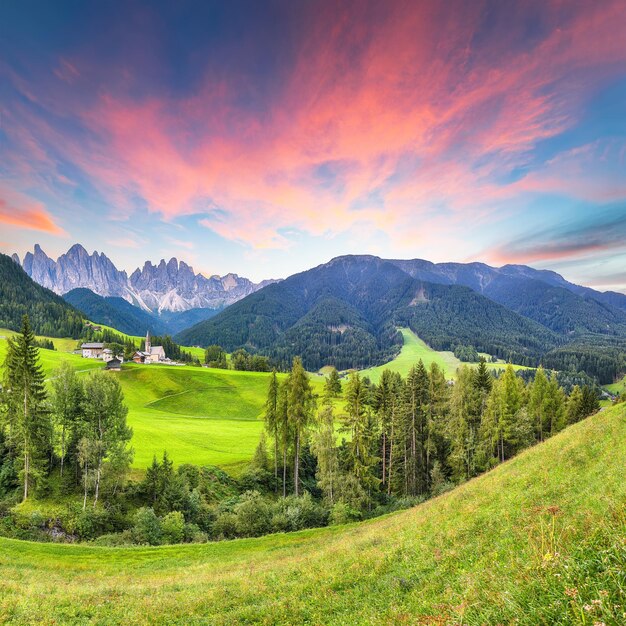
414	349
618	387
51	359
535	541
199	415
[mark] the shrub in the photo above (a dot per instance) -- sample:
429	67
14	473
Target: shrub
173	527
343	513
225	526
253	515
147	527
300	512
114	540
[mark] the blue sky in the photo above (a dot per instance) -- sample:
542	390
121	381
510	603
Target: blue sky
267	137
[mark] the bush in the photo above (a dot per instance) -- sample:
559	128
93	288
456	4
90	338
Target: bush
225	526
343	513
300	512
193	534
114	540
253	515
173	527
87	524
147	527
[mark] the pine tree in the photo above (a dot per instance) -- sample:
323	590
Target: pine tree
359	423
574	405
301	404
323	445
537	402
332	385
271	419
554	406
28	419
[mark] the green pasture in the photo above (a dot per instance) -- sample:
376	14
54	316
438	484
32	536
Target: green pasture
533	541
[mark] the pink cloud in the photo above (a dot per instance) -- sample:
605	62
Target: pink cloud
22	212
364	97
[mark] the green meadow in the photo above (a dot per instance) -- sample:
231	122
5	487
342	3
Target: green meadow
538	540
208	416
199	415
414	349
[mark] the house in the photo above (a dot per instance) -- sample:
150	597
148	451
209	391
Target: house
92	350
113	365
150	354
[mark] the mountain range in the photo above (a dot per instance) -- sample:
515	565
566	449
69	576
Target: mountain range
346	313
168	286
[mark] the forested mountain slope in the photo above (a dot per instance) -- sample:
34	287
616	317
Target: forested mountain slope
345	313
512	546
49	314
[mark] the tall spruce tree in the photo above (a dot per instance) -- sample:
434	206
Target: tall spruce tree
27	416
271	419
301	404
359	423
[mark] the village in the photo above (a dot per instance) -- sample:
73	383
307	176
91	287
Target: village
149	355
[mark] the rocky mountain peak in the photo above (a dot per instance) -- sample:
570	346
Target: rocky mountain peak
169	286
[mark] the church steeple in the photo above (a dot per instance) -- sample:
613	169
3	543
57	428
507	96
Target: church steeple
148	345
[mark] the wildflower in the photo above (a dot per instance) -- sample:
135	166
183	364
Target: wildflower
604	593
572	592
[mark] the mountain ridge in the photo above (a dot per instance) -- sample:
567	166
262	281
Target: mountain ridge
167	286
346	313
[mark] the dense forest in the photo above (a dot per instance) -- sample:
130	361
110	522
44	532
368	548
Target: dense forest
356	451
49	314
346	313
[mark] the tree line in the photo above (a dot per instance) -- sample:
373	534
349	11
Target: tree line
412	436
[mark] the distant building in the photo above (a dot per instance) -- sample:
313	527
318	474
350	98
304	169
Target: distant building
151	354
113	365
92	350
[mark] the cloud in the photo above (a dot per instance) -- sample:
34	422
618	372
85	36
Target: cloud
22	212
402	119
594	236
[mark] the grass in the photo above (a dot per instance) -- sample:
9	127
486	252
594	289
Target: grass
199	415
618	387
414	349
532	542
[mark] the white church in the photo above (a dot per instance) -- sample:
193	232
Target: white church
150	354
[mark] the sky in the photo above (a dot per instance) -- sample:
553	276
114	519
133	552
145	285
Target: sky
264	138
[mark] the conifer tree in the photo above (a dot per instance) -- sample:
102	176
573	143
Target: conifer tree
537	401
28	419
332	385
359	423
271	419
324	446
300	407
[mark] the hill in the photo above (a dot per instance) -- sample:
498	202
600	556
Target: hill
538	540
114	311
49	314
345	312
